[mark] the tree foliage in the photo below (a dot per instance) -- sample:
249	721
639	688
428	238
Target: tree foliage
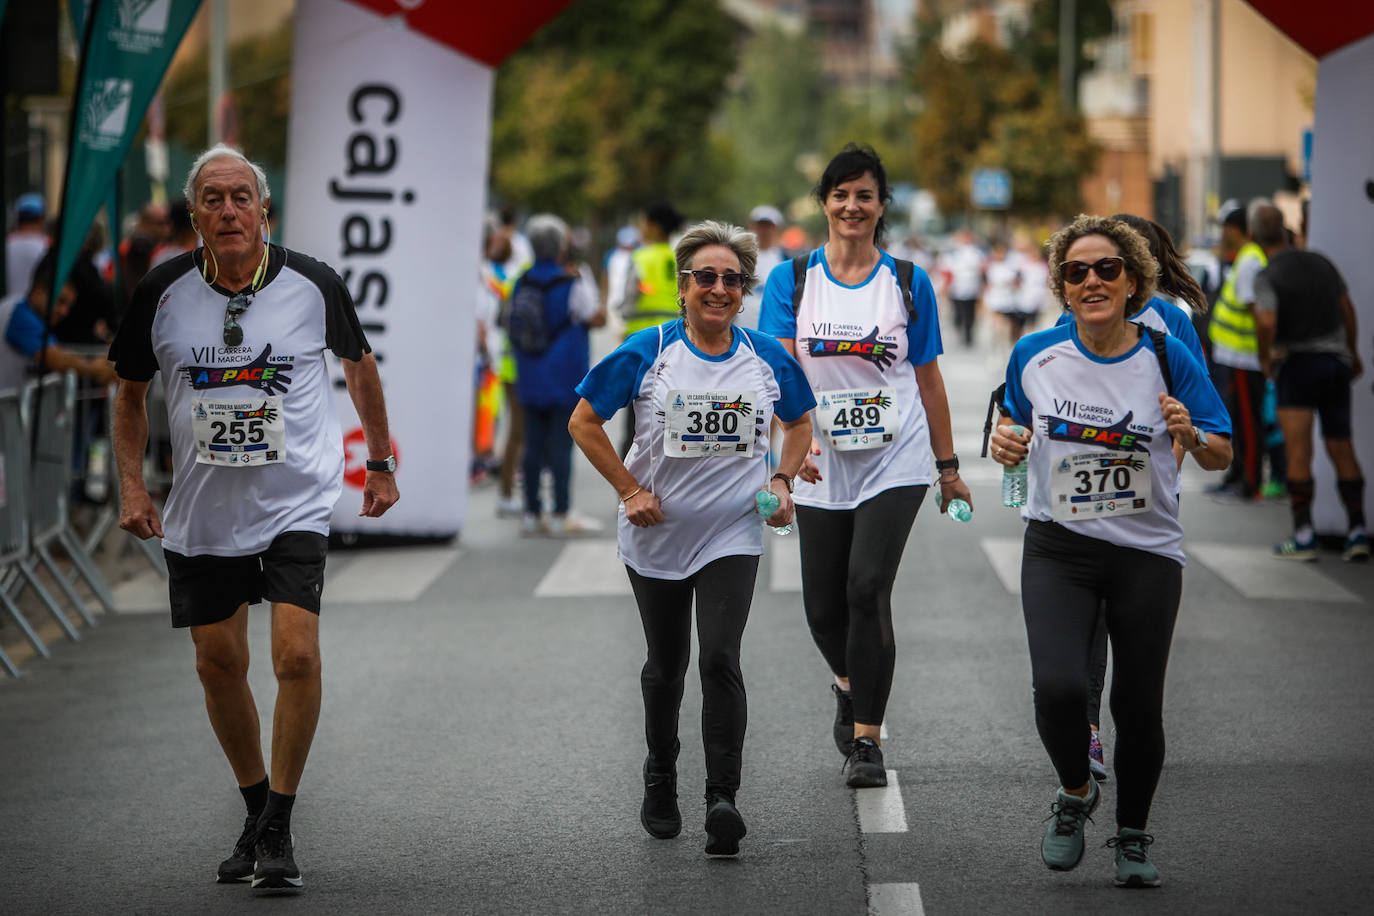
1037	42
601	109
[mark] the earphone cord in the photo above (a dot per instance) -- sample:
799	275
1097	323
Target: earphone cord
259	275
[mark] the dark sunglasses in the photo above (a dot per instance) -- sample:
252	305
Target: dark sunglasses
707	279
1107	270
238	304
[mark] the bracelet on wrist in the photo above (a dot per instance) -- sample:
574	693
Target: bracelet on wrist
630	495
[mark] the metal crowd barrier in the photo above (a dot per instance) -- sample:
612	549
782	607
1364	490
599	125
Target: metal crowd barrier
34	511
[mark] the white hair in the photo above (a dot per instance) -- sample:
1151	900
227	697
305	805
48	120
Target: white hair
224	151
547	234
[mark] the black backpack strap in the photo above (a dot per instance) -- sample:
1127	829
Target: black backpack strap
798	280
994	404
905	272
1161	353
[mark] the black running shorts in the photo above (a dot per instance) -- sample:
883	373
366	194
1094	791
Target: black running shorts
1321	382
207	589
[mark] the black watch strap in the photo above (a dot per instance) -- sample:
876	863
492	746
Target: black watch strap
947	464
387	464
784	478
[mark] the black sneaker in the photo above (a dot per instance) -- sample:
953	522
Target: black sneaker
276	852
659	813
865	765
724	827
844	720
239	865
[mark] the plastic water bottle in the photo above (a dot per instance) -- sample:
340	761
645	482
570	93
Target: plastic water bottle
958	510
1014	482
766	502
97	471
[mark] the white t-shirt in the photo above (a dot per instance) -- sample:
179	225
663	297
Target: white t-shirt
175	324
23	251
753	303
708	502
851	338
965	267
1000	294
1033	292
1075	402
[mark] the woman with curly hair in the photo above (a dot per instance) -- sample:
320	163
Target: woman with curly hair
1095	406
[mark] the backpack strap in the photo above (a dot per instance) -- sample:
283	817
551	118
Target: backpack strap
1161	354
905	272
994	404
798	280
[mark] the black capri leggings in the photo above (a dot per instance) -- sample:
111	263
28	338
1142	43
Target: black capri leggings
724	589
1065	577
849	562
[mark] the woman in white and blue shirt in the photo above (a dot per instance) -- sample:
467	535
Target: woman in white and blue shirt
869	350
705	394
1090	404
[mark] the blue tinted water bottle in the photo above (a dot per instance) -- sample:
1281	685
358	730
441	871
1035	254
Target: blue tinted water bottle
959	510
766	502
1014	481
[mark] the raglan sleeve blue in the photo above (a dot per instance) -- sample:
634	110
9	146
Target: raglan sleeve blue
923	338
613	383
794	392
1180	326
1195	389
777	318
1064	318
1015	400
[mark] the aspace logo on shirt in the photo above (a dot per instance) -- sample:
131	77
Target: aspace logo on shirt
869	348
1119	435
262	373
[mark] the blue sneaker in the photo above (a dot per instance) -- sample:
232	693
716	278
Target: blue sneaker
1062	847
1133	865
1356	548
1303	551
1097	763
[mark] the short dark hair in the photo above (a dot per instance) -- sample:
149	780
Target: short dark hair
1235	218
850	163
1268	226
665	216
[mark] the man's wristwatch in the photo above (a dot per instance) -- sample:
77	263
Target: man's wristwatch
387	464
784	478
1201	441
947	464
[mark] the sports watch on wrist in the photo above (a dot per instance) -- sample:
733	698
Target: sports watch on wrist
784	478
1201	441
947	464
387	464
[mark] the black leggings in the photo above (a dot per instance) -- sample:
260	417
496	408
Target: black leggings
1065	577
849	562
724	589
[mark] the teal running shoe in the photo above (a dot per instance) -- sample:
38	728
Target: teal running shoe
1133	865
1062	847
1356	548
1293	549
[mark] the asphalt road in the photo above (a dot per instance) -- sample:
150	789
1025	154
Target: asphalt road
481	740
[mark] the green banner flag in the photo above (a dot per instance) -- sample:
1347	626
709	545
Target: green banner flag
126	50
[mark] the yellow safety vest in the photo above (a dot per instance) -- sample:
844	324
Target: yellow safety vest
656	273
1233	324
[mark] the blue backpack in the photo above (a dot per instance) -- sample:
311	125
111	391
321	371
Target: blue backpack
527	319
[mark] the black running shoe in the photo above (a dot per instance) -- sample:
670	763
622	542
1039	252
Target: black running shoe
659	813
724	827
239	865
865	765
844	720
276	852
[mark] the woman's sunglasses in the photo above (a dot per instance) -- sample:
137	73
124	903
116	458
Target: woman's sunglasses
707	279
1107	270
238	304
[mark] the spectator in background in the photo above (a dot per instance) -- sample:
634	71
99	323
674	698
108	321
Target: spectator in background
651	292
24	246
1000	292
1032	288
148	230
962	269
1308	342
183	236
1235	353
92	317
619	266
766	223
496	254
22	325
551	308
521	256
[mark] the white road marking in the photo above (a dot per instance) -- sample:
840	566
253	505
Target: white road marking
784	561
895	900
585	568
1004	554
881	810
1255	574
386	574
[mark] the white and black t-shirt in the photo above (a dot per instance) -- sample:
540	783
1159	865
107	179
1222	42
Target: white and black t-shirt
256	445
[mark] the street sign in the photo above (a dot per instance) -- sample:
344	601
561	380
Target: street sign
991	189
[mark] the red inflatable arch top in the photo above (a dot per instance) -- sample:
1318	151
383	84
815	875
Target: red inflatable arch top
483	30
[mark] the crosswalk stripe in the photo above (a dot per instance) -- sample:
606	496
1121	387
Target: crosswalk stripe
585	568
386	575
1255	574
881	810
895	900
1004	555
